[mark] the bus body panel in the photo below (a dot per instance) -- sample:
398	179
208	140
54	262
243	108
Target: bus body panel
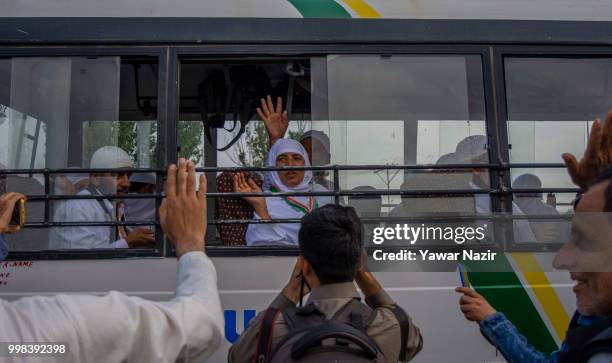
248	284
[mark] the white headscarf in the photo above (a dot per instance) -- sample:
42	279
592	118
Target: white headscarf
279	208
283	146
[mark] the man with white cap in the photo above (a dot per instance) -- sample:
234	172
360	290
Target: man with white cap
473	150
100	210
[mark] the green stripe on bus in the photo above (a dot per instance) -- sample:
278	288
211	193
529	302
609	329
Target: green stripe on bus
320	9
505	292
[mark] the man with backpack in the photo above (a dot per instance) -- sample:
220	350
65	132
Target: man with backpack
333	325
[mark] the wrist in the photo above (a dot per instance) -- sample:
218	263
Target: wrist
291	294
186	247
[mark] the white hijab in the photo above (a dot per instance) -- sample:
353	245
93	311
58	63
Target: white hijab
283	146
278	208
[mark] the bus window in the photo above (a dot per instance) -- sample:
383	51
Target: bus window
56	113
408	110
553	96
226	92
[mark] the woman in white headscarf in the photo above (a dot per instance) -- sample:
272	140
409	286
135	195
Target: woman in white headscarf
284	152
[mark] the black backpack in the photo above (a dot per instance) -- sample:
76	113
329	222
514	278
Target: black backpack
312	338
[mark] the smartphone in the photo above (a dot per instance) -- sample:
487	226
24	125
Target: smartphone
19	213
463	276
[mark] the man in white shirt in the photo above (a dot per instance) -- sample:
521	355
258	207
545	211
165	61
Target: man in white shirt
118	328
93	210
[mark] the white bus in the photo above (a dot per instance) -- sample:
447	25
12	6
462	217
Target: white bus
395	85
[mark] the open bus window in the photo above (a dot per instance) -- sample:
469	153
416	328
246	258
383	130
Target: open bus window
553	96
216	98
56	113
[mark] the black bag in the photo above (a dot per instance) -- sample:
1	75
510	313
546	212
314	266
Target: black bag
312	338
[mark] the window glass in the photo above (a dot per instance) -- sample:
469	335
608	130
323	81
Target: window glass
407	110
77	112
553	96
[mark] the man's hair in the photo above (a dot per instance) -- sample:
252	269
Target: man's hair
330	240
606	176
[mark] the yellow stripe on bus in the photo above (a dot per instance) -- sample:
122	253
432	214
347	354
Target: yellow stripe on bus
543	291
363	9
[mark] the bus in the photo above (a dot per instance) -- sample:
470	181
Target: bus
396	86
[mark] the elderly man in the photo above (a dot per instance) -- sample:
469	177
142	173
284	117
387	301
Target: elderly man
99	210
120	328
586	256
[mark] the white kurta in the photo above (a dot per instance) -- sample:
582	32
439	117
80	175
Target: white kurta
119	328
280	234
84	237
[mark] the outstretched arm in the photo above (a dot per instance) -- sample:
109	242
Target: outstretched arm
498	330
121	328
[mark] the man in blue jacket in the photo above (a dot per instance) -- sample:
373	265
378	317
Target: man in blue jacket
586	256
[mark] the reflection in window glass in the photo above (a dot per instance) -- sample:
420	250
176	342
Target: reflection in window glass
553	96
411	110
56	112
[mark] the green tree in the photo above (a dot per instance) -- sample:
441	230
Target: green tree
190	141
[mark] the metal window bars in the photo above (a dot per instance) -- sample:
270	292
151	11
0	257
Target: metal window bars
337	193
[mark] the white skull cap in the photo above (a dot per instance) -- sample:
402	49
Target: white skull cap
109	157
471	149
317	135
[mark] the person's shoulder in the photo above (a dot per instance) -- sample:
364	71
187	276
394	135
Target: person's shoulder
80	205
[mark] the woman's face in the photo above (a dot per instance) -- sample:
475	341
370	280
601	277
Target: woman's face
290	178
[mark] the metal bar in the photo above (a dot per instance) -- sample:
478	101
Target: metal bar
446	193
404	220
163	89
47	192
337	186
255	168
449	167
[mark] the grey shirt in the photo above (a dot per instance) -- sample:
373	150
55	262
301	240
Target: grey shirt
328	299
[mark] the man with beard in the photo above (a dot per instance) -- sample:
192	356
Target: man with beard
100	210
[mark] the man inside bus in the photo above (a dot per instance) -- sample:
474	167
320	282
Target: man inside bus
99	210
330	262
473	150
119	328
586	256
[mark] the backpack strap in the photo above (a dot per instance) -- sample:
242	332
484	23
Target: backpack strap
404	322
266	332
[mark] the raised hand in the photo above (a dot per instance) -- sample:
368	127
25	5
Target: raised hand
183	212
275	119
243	184
597	156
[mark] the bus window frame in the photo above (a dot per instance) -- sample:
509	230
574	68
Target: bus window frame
282	51
491	53
499	53
156	52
